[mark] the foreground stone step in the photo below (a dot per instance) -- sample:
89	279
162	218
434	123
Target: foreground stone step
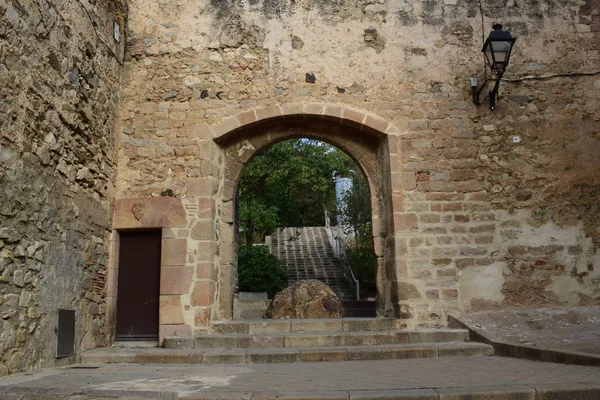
306	325
313	339
285	355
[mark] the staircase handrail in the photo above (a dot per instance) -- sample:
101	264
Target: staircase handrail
340	253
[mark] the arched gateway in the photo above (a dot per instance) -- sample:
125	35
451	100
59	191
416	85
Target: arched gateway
199	249
363	137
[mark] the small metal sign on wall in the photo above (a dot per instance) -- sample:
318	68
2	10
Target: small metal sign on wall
65	346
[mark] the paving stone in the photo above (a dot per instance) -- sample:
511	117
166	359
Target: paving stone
567	391
411	394
308	395
488	393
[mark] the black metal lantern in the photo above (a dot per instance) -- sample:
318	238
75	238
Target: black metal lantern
497	49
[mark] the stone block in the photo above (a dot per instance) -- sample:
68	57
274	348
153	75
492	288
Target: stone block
314	355
169	357
173	252
237	327
271	356
206	251
402	394
315	340
376	123
316	325
206	271
170	310
225	126
292	108
203	230
274	326
106	358
224	357
313	108
333	110
202	316
176	336
465	349
406	222
199	187
567	391
154	212
369	324
203	293
175	280
397	353
353	115
304	395
505	392
247	117
268	112
227	233
206	208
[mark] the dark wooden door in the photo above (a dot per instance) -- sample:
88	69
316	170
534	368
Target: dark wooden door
138	290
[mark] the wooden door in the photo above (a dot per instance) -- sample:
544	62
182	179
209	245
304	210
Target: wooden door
138	290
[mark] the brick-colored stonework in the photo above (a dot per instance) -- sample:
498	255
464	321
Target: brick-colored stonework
472	209
465	218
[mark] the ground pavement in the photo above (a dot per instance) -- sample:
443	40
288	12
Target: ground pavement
459	378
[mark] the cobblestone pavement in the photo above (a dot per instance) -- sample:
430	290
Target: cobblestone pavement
331	380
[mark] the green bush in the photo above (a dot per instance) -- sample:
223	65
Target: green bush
364	266
259	271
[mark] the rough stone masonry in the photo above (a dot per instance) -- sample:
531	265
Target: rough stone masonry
472	209
60	76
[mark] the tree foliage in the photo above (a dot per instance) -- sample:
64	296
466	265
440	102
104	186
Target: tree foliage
355	212
259	271
289	184
355	217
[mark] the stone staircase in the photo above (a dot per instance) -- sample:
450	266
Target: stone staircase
286	341
307	254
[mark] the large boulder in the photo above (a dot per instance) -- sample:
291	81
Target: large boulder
305	299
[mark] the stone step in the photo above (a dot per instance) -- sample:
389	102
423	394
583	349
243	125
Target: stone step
314	339
284	355
306	325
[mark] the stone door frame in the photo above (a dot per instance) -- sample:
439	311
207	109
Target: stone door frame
365	137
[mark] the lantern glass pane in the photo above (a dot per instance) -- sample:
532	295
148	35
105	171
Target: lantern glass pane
501	51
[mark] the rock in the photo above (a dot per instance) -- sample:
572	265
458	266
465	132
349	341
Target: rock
307	299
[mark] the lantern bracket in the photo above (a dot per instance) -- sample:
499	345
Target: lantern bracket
496	49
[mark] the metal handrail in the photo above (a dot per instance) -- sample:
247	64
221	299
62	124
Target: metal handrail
340	253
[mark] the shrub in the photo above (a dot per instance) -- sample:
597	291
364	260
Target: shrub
364	266
259	271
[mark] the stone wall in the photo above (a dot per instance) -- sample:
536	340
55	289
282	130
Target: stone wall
59	98
490	209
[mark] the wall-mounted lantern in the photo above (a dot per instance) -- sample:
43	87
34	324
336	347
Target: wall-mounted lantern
497	49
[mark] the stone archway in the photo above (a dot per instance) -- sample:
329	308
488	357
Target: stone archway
363	136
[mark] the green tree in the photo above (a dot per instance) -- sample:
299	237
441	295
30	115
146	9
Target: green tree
355	216
355	212
289	184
